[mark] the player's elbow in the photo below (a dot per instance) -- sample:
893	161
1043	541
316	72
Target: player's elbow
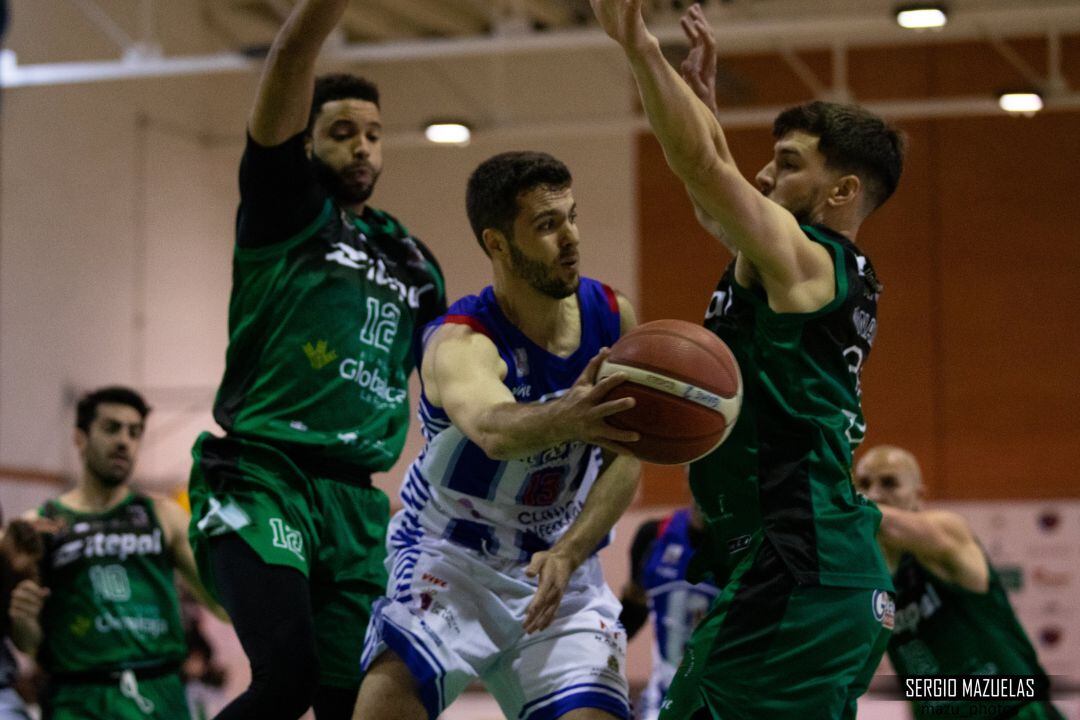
497	446
696	168
715	185
892	533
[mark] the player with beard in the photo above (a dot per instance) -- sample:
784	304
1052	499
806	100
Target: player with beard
953	615
803	616
328	295
104	621
493	568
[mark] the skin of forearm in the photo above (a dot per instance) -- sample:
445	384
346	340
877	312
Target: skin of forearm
608	499
510	431
308	27
687	130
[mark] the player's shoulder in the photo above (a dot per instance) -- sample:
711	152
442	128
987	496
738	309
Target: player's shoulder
478	313
462	335
51	508
854	257
672	522
598	291
167	508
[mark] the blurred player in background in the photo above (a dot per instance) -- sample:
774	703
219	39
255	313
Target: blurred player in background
328	296
203	674
21	551
660	558
803	617
512	484
953	615
104	619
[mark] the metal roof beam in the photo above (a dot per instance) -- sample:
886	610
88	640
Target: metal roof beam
371	22
433	16
734	37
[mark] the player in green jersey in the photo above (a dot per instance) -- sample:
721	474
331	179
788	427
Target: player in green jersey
328	296
803	616
104	621
953	616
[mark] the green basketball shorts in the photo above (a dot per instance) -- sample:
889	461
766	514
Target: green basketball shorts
160	698
330	529
770	648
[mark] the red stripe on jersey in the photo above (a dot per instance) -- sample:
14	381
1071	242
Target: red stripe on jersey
469	320
663	526
612	298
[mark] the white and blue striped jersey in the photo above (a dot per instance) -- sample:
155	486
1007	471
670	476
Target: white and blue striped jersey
676	604
506	509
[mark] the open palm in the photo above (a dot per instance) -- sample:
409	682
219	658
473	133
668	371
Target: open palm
699	67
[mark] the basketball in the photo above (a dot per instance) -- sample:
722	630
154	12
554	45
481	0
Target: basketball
687	386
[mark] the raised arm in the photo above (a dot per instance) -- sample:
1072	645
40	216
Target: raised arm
697	151
941	541
698	69
283	102
463	374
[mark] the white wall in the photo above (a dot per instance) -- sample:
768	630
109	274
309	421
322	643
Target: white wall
117	203
116	232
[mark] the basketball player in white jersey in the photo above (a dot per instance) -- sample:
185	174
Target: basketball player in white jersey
493	573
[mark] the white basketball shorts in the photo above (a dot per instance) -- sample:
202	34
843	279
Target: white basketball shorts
455	616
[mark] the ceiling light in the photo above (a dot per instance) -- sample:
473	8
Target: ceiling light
921	17
448	133
1021	103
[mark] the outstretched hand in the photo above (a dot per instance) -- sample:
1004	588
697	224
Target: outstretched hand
554	570
622	21
586	412
699	67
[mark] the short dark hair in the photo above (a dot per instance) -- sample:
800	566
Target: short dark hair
86	410
340	86
852	139
491	197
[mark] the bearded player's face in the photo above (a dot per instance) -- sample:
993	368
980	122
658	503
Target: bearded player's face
111	443
346	148
544	246
797	178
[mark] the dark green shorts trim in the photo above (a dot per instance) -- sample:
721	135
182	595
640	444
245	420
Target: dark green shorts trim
770	648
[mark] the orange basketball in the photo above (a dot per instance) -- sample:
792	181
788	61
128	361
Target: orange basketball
687	386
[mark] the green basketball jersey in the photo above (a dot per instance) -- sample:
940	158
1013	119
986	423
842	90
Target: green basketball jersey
113	602
783	476
943	629
321	328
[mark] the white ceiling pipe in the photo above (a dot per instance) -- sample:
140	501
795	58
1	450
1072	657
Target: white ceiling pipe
734	36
